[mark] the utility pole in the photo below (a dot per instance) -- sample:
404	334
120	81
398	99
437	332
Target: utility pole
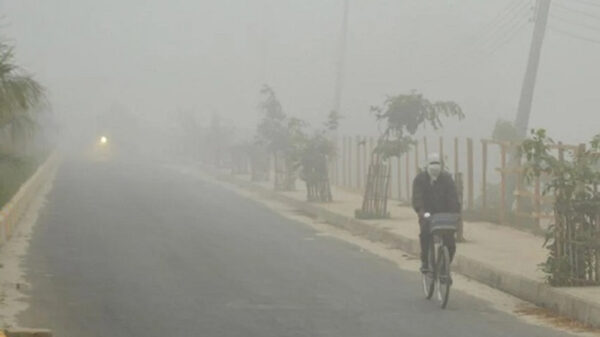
524	111
526	99
339	78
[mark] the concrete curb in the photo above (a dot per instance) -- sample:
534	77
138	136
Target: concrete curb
12	212
20	332
530	290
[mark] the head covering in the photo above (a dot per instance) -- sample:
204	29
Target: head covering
434	166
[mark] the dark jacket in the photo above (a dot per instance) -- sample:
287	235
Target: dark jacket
439	197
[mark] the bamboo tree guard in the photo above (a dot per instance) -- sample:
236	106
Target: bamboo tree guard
399	172
318	188
470	179
576	247
575	252
376	191
458	178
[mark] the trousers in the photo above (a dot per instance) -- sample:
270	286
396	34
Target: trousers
425	238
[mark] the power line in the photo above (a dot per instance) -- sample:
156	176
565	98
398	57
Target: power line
516	24
573	35
500	16
574	22
503	20
510	36
577	11
500	31
588	3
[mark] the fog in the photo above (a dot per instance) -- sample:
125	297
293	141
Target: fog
154	58
167	184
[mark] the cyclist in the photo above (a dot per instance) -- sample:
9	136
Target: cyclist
434	191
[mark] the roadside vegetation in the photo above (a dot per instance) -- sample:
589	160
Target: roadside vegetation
21	98
402	116
286	148
573	179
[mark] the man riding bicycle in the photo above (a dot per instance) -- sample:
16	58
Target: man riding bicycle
434	191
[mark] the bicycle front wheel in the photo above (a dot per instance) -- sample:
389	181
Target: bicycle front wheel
429	276
443	279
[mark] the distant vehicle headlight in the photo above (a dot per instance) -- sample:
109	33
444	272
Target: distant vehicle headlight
103	140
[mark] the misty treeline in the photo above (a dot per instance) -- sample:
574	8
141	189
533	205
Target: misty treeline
295	148
286	148
21	100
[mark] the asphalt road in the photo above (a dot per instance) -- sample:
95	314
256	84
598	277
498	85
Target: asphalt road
135	250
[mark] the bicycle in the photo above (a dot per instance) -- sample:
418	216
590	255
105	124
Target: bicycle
437	277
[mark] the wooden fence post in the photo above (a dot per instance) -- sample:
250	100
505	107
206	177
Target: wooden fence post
358	165
366	162
336	161
416	158
441	151
351	166
470	194
538	202
343	161
399	172
502	183
407	173
456	155
519	187
484	160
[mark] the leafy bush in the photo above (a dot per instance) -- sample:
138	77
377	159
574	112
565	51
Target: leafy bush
14	171
505	131
572	240
403	115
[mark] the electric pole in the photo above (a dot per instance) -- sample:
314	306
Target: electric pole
339	78
526	99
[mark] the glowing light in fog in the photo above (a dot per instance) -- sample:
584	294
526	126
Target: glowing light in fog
103	140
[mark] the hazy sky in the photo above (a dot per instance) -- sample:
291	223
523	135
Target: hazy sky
157	56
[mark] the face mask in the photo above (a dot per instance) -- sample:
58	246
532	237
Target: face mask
434	170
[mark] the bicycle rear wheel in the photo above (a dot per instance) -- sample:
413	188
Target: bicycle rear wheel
443	280
429	276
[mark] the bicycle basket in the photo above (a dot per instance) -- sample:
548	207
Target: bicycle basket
444	222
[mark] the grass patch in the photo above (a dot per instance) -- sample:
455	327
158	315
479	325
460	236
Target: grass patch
14	171
555	319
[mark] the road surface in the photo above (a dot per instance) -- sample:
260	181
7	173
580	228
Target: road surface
133	249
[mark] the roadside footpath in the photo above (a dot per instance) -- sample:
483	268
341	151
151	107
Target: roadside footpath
17	219
499	256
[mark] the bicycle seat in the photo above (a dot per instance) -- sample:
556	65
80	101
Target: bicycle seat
444	222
